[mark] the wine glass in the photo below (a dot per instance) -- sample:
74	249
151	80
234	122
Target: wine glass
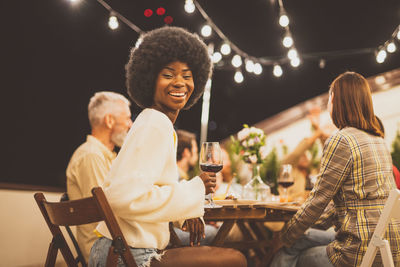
285	180
210	161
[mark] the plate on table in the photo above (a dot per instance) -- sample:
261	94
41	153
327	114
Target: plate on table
225	202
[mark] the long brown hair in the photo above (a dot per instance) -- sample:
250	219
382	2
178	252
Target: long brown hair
352	104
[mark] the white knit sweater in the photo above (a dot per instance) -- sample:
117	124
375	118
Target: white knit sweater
142	186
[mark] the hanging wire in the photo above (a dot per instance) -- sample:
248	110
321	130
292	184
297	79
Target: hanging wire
122	18
266	60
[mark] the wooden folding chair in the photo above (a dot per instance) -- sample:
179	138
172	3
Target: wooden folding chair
391	210
82	211
79	258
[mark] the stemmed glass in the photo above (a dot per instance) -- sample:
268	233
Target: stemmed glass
285	180
210	161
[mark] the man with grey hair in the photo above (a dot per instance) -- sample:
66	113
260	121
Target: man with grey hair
110	120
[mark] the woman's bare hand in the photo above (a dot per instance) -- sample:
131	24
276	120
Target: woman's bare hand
209	181
196	229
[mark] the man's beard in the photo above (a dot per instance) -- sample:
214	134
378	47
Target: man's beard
118	138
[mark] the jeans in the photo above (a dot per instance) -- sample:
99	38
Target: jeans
99	253
308	251
209	230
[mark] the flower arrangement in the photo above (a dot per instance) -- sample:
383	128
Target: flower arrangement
250	145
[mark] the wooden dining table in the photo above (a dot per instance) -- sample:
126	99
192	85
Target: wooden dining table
250	220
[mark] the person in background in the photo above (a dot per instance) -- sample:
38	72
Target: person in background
396	174
110	120
356	173
300	161
166	72
187	153
187	157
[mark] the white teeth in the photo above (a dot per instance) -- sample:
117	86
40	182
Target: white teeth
178	94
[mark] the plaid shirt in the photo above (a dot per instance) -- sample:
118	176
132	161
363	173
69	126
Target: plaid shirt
356	173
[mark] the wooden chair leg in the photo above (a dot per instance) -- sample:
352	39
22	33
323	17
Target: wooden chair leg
112	258
386	254
52	254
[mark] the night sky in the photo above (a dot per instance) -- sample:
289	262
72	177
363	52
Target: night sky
57	54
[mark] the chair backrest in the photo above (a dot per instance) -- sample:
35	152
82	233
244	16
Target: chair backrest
391	210
82	211
79	258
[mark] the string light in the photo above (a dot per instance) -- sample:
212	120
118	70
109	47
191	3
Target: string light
258	68
238	77
216	57
381	56
322	63
236	61
284	20
277	71
391	47
113	21
295	62
138	42
287	41
292	53
249	65
225	49
228	46
189	6
206	30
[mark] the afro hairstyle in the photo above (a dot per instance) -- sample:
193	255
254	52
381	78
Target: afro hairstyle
158	48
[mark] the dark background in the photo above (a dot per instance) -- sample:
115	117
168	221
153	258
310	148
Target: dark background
57	54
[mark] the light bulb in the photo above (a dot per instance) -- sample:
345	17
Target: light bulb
189	6
287	41
113	22
277	71
322	63
225	49
295	62
284	20
398	35
206	30
238	77
258	69
138	42
292	53
216	57
249	65
391	47
236	61
381	56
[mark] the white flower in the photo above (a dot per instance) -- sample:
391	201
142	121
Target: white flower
243	134
244	143
253	158
250	142
264	151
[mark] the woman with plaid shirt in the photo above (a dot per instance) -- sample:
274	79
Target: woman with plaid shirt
356	173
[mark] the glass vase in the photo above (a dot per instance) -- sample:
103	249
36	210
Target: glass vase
256	189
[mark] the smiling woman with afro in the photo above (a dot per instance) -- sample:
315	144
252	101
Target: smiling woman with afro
158	48
167	72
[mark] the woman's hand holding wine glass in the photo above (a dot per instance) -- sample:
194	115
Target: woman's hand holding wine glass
210	163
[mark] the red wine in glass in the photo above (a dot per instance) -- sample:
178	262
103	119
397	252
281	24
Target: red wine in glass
286	184
211	167
210	160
